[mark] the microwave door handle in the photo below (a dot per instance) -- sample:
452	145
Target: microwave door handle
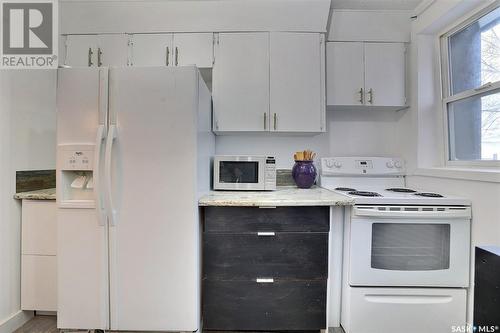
101	214
107	175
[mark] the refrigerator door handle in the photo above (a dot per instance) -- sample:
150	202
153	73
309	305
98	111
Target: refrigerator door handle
107	175
101	214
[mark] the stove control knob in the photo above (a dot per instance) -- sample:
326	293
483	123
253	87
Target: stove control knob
337	164
329	163
398	164
390	164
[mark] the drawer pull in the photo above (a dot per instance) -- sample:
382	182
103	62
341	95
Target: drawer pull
266	233
264	280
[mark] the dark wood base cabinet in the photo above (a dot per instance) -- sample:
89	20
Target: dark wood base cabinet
265	269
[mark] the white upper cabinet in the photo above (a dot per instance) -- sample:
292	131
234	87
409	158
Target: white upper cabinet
179	49
366	74
240	86
152	50
385	74
297	102
193	49
272	82
97	50
80	50
345	73
112	50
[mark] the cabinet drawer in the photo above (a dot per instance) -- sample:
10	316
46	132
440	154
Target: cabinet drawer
39	283
248	305
39	227
253	219
283	256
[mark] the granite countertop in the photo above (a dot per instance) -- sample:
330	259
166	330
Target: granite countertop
46	194
283	196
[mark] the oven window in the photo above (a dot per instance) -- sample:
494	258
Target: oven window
410	247
239	172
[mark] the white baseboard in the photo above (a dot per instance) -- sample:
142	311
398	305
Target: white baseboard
15	321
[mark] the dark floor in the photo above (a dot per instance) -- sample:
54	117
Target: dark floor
48	324
40	324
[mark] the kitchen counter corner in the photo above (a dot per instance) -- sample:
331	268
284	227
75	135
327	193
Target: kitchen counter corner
45	194
283	196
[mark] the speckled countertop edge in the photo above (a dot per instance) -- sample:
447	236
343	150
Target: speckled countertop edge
45	194
283	196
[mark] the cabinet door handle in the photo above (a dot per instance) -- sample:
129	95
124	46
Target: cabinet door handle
167	56
265	120
176	56
275	121
370	96
99	57
361	96
90	57
264	280
266	233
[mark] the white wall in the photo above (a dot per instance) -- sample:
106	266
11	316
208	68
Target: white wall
370	25
195	15
27	142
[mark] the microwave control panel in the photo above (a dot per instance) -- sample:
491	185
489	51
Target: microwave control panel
270	179
76	157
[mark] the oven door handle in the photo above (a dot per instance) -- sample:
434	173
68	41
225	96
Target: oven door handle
408	299
385	212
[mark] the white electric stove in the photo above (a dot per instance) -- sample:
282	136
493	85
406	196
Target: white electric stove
378	180
406	251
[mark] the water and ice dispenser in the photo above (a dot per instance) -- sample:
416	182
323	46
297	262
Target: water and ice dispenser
76	175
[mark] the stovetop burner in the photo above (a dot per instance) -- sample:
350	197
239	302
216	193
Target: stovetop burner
429	195
400	190
345	189
365	193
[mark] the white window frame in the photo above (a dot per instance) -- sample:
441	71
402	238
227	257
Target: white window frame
446	98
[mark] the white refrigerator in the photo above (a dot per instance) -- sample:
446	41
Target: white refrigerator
134	149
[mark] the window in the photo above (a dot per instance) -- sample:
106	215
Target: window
471	89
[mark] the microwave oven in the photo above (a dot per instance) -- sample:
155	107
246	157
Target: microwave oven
244	173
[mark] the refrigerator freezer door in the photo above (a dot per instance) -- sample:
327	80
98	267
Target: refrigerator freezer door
82	259
154	251
80	109
82	292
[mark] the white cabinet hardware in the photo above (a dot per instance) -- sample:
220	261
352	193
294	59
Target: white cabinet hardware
264	280
90	57
370	96
266	233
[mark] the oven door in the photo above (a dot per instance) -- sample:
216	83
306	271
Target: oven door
409	246
244	173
